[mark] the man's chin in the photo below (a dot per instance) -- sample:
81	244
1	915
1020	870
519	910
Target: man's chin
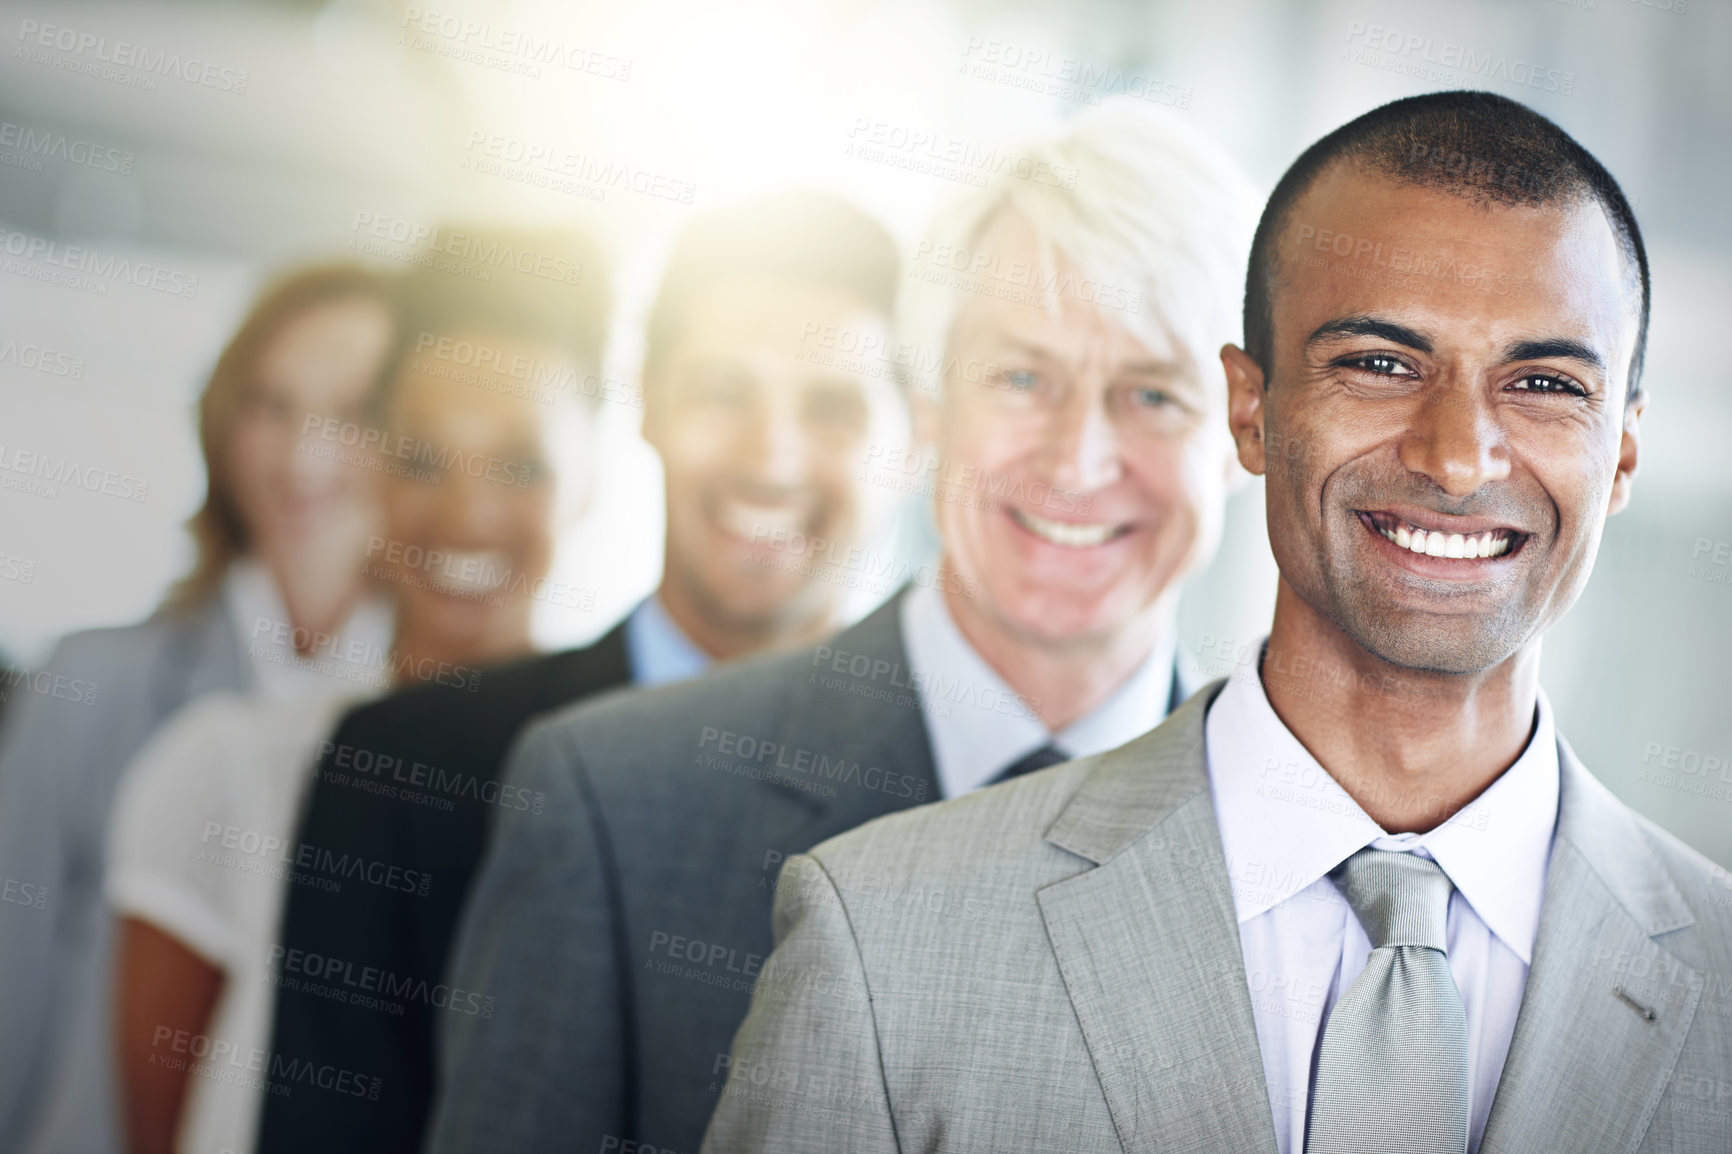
1447	645
1066	618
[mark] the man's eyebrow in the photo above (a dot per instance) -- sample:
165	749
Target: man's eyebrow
1562	348
1368	326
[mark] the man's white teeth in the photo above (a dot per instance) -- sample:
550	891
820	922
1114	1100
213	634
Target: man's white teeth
1469	546
1066	533
753	522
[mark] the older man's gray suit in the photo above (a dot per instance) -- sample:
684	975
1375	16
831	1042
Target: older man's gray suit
618	927
1081	986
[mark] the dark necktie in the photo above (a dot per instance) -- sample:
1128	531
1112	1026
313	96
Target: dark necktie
1048	754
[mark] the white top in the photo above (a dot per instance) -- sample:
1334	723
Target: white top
358	655
201	844
979	725
1285	823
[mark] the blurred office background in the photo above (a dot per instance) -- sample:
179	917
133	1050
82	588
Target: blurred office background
310	129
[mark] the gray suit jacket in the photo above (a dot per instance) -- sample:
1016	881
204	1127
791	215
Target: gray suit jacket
65	744
1054	964
618	923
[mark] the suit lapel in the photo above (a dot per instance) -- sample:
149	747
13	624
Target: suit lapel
1586	1069
1148	947
202	652
855	694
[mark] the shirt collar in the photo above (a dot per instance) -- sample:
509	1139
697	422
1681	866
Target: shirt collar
1285	822
979	725
357	653
659	650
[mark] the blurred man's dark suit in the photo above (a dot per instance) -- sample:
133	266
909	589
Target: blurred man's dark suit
383	784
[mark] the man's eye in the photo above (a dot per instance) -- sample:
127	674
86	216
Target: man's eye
1548	383
1381	364
1152	398
1020	380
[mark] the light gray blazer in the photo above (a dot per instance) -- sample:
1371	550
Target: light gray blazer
60	760
1054	964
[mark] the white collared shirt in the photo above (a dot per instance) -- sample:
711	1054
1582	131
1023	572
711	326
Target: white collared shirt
357	654
979	725
1285	823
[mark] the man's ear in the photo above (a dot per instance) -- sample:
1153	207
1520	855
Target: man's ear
1629	453
1245	408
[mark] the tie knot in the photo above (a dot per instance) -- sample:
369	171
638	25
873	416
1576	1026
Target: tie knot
1401	899
1032	762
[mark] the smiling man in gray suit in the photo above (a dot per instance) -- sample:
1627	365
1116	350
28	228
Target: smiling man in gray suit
1060	327
1361	897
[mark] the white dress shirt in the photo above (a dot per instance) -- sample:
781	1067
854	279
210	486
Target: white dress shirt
1285	824
978	725
357	656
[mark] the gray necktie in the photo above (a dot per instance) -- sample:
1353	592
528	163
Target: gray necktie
1392	1070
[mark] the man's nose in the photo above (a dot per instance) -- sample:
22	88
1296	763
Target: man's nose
470	506
1457	440
1082	452
776	449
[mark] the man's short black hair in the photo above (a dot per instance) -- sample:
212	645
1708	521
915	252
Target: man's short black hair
806	237
1476	145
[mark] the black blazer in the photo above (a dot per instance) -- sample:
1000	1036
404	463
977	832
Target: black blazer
410	781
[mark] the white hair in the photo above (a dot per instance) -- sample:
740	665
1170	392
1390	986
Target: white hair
1155	218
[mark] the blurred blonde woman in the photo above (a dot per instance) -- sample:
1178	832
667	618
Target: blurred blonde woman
203	845
280	540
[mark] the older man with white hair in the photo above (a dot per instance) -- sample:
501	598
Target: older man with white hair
1059	327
